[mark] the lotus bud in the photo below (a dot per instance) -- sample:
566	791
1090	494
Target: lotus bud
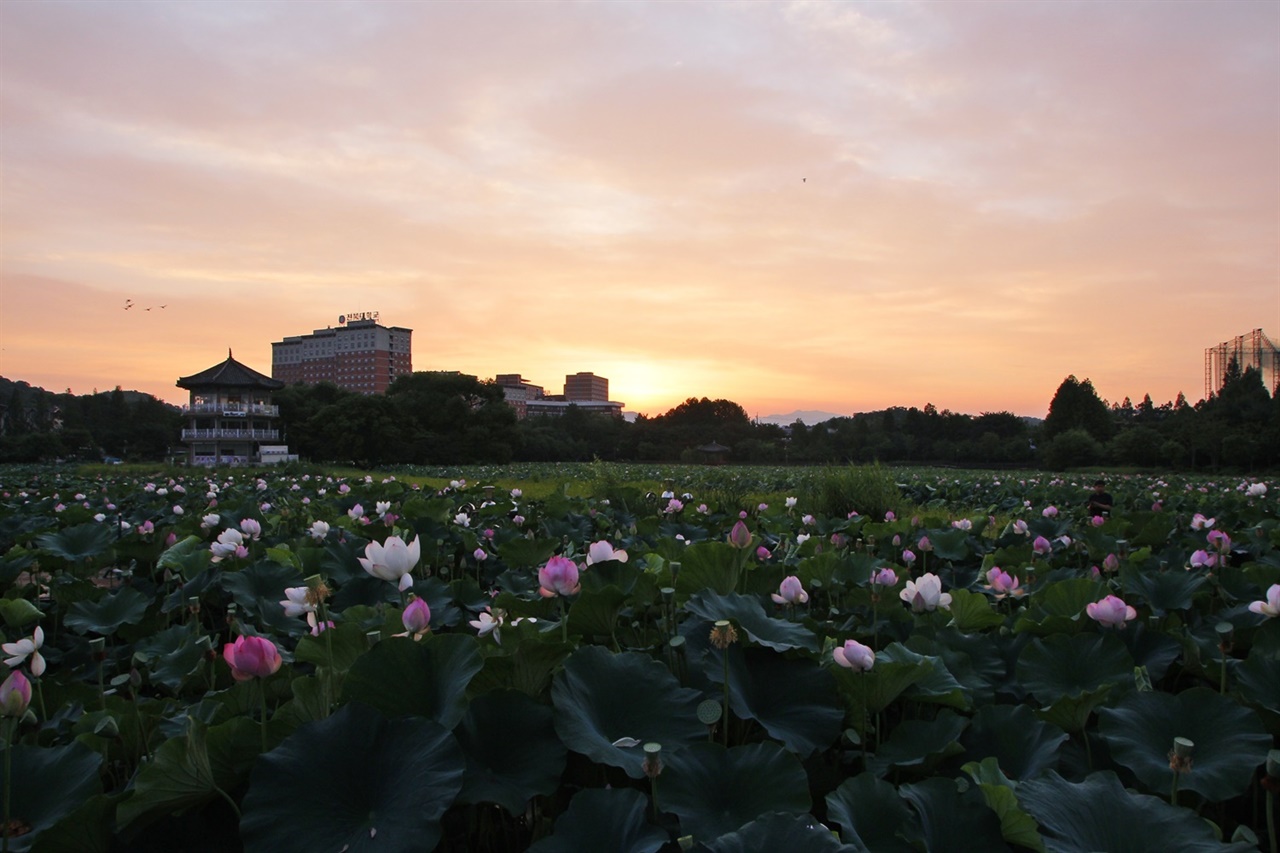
15	695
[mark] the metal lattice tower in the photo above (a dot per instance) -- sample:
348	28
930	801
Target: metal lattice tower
1252	350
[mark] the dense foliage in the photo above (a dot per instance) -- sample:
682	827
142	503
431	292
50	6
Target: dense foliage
297	660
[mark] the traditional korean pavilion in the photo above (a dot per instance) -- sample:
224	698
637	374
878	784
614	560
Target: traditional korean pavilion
230	417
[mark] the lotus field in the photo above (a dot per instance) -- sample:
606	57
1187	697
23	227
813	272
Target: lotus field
300	661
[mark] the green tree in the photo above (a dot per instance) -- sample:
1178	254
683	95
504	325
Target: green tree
1076	405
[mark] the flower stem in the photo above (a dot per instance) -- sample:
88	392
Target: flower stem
724	716
262	690
564	621
1271	817
1173	791
8	777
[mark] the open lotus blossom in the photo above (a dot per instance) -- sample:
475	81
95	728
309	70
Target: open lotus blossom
1041	546
1049	512
1219	540
416	617
790	591
319	530
15	695
297	601
1111	612
489	622
251	657
853	655
210	521
603	552
926	594
1203	560
251	527
558	577
24	648
230	544
1097	521
1199	522
1002	583
356	512
1270	606
673	506
739	536
1256	490
791	503
392	560
462	520
802	538
962	524
146	528
1020	527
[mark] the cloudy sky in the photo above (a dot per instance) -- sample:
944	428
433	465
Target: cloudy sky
793	205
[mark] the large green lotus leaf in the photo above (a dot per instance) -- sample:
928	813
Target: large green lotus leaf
1016	825
524	553
596	820
1258	683
1061	665
1099	814
776	832
716	790
871	815
1057	607
982	663
896	668
595	612
1150	648
528	668
1230	741
601	697
172	655
346	641
187	558
939	687
87	829
950	544
972	611
428	678
124	606
919	743
513	753
187	771
82	542
749	615
355	781
794	699
1163	591
18	612
49	784
259	589
1071	713
1022	744
713	566
953	822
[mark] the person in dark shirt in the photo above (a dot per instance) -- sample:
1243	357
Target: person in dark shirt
1100	502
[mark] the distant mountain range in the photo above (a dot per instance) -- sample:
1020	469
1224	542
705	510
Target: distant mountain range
808	416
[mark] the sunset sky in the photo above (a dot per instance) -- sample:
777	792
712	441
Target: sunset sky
804	205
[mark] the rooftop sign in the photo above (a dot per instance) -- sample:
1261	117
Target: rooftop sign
343	319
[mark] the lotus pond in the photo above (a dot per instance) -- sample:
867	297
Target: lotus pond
671	660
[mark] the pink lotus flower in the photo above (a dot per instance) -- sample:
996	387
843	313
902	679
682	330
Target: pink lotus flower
926	594
24	648
924	544
230	544
1199	522
673	506
739	536
1219	540
790	591
1002	583
763	553
1041	546
1111	612
887	577
392	560
889	516
1050	512
1203	560
480	555
603	552
251	528
1111	563
146	528
1097	521
15	695
558	577
908	557
1270	606
251	657
853	655
1020	527
416	616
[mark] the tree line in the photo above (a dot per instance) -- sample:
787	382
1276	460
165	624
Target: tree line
447	419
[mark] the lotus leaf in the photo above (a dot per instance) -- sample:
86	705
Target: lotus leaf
355	780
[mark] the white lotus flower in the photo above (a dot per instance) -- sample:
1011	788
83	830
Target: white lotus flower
25	648
392	560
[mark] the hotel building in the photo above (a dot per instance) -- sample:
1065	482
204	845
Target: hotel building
359	355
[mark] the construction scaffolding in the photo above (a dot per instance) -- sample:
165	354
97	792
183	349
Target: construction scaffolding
1252	350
